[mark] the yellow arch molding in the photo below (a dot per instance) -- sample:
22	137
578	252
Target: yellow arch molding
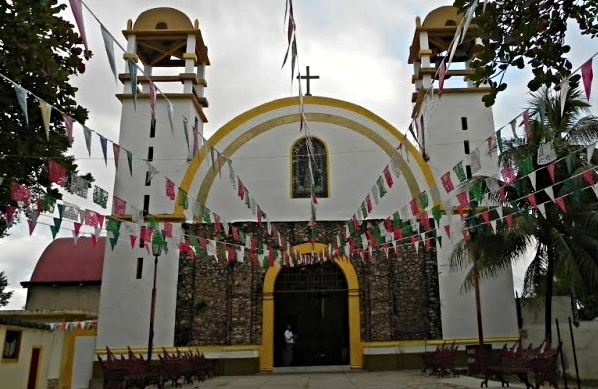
229	127
355	344
261	128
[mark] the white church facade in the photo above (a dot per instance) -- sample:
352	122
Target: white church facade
262	145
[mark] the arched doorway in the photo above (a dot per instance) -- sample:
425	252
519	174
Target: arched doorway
314	301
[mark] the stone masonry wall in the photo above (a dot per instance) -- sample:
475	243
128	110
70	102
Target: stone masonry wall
221	304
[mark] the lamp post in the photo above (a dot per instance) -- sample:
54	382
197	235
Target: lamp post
157	244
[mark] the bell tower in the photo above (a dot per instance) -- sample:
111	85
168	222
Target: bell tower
163	107
451	126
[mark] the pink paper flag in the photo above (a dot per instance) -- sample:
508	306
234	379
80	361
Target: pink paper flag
465	233
486	216
167	231
68	125
78	14
587	75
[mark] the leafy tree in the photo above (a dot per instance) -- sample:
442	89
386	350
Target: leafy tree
565	243
516	33
40	51
4	296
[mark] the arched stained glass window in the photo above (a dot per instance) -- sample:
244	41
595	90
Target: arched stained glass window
300	169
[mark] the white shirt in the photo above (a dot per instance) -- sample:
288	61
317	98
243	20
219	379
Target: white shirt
288	336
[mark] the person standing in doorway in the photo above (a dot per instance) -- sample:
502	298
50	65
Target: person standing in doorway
289	340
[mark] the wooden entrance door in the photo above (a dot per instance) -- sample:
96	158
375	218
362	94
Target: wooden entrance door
33	367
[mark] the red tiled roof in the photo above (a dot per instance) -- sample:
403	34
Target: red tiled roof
63	261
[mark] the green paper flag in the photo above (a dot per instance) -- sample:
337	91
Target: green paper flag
526	166
458	169
113	240
113	225
396	219
205	214
183	201
423	200
48	203
407	229
100	196
477	192
153	222
364	210
60	210
381	188
436	213
54	231
439	239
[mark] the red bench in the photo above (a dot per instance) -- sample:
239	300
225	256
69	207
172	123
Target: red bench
541	363
442	360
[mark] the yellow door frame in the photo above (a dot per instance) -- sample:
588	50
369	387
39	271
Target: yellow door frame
355	344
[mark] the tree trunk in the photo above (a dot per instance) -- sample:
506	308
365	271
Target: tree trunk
548	301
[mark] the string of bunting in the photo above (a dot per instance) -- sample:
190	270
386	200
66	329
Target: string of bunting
79	185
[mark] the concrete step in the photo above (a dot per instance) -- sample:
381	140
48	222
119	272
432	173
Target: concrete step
311	369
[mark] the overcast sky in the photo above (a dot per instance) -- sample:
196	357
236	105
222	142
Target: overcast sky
358	48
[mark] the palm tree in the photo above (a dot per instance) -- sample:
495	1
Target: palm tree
565	243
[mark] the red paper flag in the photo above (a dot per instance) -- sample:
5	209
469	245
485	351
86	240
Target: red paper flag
587	75
388	177
19	192
258	213
170	189
501	193
447	229
167	231
217	225
368	202
465	233
133	239
561	203
240	189
91	218
119	206
532	199
589	177
486	217
10	212
447	183
77	227
463	199
57	172
550	169
414	209
509	220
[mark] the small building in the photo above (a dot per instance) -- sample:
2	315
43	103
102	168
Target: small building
50	344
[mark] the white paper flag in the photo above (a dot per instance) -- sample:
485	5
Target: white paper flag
109	45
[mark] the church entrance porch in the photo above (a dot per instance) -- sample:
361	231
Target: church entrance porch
313	300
